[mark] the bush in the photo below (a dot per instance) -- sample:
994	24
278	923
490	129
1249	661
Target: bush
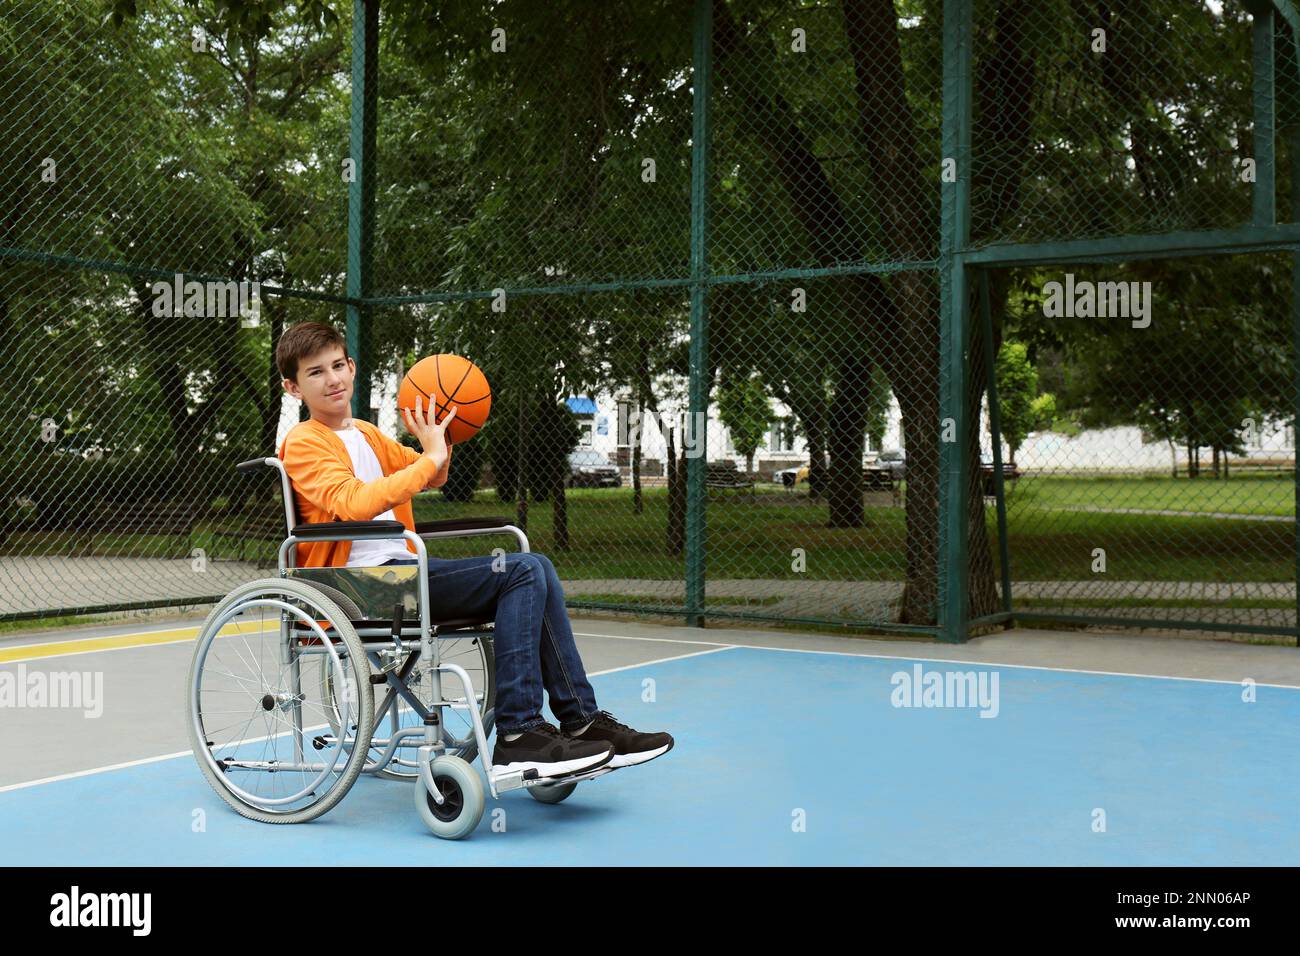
66	487
466	471
550	435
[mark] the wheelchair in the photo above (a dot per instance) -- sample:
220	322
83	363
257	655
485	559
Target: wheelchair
297	686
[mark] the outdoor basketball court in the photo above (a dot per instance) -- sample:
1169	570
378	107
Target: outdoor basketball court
1035	747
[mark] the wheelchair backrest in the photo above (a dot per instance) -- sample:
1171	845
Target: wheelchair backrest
286	488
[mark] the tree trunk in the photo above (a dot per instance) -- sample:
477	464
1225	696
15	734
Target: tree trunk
849	410
812	416
521	478
676	499
983	590
637	506
559	513
816	466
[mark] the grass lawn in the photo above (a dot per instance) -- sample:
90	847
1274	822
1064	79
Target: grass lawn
1249	495
758	537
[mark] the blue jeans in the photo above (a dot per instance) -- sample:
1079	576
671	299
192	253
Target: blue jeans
532	637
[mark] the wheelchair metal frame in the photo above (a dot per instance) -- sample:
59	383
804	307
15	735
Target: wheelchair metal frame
422	637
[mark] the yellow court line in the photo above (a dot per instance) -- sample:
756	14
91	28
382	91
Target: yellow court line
27	652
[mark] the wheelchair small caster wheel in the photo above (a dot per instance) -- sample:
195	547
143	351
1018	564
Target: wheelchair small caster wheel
463	800
551	792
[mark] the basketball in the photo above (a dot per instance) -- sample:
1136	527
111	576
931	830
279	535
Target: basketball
441	381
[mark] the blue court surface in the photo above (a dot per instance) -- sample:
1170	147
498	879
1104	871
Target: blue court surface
787	757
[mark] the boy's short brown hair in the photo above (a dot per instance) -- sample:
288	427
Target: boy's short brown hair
302	341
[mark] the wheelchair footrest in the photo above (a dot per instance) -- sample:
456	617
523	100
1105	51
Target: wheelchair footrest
589	775
530	778
513	781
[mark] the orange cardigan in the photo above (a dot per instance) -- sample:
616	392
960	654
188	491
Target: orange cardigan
327	489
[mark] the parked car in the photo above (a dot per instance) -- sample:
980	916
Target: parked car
590	469
725	474
894	461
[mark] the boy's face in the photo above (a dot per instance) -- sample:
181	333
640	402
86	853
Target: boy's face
324	383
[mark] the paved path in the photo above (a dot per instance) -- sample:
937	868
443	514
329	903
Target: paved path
54	584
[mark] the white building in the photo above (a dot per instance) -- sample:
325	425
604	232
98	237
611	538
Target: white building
608	423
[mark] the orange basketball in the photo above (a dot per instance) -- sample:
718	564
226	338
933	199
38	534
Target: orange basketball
445	380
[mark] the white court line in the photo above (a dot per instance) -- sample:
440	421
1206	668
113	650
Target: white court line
938	660
662	660
87	773
190	753
1027	667
664	640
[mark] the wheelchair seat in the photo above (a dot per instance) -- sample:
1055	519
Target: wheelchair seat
367	628
371	594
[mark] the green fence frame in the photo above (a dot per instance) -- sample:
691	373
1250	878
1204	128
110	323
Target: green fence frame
958	264
961	269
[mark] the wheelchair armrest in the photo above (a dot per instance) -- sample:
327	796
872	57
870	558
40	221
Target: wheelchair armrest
460	524
335	529
462	527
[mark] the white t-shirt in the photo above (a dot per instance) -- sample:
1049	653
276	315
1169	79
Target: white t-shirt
369	554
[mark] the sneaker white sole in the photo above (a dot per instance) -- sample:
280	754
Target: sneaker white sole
556	768
631	760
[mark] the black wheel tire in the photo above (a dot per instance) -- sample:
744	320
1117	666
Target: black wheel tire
453	797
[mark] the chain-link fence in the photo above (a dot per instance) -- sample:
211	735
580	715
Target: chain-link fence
755	285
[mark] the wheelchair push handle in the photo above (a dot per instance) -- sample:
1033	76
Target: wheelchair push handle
251	464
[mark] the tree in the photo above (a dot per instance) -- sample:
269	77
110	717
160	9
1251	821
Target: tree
745	411
1022	409
816	167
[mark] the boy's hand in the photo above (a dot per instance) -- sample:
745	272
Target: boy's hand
432	435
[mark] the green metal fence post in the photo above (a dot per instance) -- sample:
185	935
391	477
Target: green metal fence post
954	586
1264	196
1294	142
361	194
1291	16
702	77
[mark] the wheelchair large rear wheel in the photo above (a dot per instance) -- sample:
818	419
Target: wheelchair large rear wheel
258	724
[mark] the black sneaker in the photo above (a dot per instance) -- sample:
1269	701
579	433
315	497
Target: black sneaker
550	753
630	746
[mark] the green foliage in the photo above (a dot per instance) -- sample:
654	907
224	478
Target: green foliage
744	409
465	472
550	434
1022	409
